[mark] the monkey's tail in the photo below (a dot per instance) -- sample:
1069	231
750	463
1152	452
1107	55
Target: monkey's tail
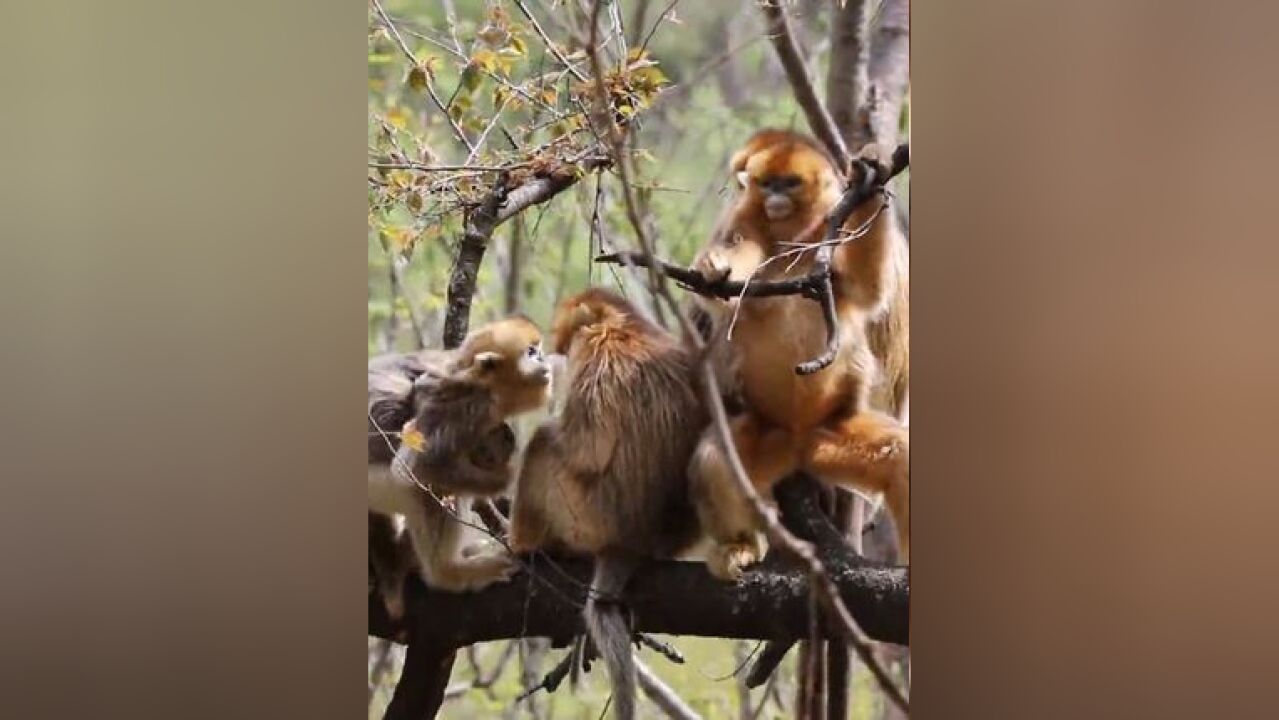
609	626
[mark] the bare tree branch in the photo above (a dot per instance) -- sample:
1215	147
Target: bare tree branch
848	80
668	597
889	68
662	695
819	120
550	45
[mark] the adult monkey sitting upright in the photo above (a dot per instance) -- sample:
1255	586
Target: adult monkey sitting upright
821	422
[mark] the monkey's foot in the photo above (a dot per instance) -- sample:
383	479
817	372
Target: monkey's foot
474	573
479	548
727	562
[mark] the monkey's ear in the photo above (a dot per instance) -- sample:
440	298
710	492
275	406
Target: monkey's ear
486	361
738	162
743	179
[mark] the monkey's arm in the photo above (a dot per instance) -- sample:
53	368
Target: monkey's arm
864	269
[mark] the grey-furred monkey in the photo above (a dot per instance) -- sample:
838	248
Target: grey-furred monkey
457	400
608	476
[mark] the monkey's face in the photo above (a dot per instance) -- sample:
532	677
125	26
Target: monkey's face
507	357
785	181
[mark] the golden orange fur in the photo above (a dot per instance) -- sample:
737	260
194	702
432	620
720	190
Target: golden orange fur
608	476
824	422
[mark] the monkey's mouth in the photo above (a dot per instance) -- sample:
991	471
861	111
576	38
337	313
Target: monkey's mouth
777	207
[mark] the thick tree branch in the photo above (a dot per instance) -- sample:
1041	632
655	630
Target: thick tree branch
889	68
847	80
671	597
819	119
497	207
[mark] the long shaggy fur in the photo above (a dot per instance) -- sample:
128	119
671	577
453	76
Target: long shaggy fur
609	476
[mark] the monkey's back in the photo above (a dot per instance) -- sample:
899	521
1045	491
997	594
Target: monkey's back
641	498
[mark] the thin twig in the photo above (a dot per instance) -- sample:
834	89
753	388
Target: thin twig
537	28
430	86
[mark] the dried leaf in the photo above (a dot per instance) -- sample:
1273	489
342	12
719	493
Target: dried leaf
413	437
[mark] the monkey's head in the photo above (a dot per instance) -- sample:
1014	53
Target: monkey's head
784	173
597	308
506	356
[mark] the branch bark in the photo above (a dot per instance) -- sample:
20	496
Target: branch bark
670	597
889	70
819	120
498	206
848	80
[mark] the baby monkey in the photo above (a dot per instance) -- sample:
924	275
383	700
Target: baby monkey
449	406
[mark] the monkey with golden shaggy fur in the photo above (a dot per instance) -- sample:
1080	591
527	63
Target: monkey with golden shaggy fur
823	422
456	401
608	477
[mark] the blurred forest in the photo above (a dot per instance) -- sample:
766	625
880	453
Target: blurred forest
699	78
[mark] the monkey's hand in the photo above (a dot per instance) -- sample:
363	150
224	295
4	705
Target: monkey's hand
476	571
728	561
879	156
714	266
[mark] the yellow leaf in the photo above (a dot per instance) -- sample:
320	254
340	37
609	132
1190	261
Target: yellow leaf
413	437
486	59
517	45
417	77
400	238
397	117
549	95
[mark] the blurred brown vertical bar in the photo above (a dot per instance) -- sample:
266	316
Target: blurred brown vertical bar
1094	382
183	277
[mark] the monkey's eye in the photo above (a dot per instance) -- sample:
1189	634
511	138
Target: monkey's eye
533	351
788	182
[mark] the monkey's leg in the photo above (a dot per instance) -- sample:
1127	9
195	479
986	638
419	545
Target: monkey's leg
768	455
869	452
437	539
389	561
